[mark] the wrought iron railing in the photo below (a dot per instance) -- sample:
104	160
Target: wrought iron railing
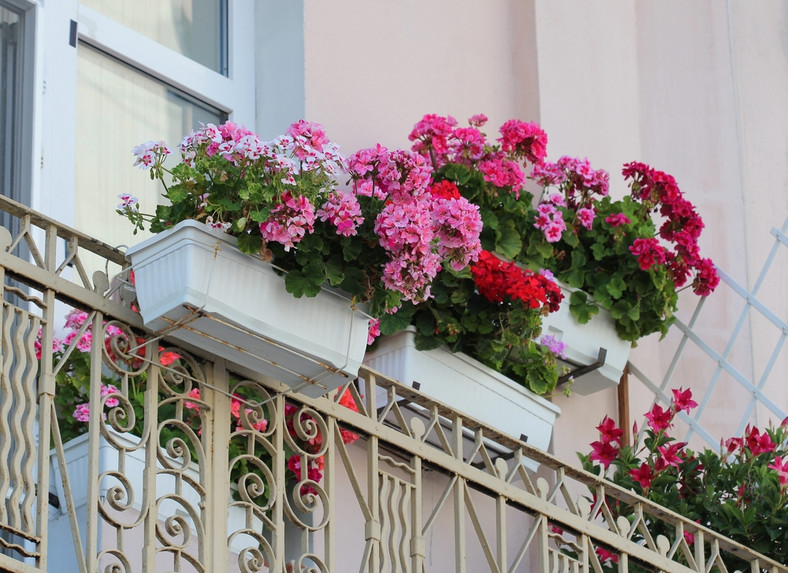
192	467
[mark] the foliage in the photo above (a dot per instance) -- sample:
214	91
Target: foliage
740	491
414	232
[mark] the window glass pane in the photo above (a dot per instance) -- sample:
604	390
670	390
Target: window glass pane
10	70
194	28
119	107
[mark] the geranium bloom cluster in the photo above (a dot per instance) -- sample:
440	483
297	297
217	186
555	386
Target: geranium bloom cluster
418	229
343	211
579	187
289	221
281	181
499	280
438	138
681	228
274	194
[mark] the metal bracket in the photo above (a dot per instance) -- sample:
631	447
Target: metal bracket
577	373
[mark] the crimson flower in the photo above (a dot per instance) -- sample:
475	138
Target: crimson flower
733	444
781	467
609	431
682	400
605	555
643	475
669	455
604	453
758	442
659	419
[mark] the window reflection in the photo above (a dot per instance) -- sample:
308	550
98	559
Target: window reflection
194	28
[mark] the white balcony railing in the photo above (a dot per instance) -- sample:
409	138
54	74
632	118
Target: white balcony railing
407	484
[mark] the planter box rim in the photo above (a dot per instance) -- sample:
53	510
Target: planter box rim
199	227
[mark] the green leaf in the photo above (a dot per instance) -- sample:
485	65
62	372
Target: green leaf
458	173
508	241
350	249
334	272
355	283
240	224
305	282
400	320
578	259
616	287
581	308
177	193
489	220
575	277
260	215
250	243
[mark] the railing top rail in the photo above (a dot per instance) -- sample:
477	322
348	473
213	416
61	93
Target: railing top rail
64	231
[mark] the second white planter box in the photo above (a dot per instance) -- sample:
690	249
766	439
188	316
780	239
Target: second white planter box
468	386
583	342
194	285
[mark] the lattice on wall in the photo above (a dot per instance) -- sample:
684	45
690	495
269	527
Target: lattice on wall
746	366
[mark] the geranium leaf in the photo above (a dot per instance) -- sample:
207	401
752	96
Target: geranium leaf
508	241
616	287
250	243
400	320
305	282
334	271
581	308
177	193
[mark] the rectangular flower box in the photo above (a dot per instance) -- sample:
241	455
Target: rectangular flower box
583	342
125	484
196	287
468	386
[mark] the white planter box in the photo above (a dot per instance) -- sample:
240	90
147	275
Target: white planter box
583	342
468	386
195	285
60	542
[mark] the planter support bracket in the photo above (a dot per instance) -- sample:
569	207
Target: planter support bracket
578	372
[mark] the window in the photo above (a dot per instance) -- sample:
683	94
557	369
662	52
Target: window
10	66
124	73
196	29
16	57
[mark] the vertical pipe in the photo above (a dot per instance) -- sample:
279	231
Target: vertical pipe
623	407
